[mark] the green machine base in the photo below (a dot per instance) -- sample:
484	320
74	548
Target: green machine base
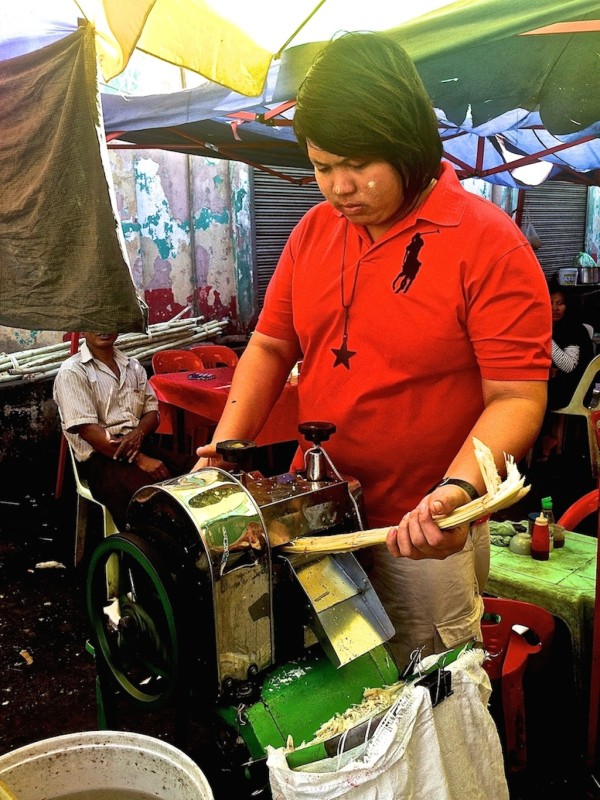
298	697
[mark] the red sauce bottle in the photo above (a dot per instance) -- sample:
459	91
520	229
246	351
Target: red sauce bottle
540	539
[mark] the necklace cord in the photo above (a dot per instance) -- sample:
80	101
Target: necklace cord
342	353
346	305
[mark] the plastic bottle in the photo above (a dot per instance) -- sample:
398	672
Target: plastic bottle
540	540
553	529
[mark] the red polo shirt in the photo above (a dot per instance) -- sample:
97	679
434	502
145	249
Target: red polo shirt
450	294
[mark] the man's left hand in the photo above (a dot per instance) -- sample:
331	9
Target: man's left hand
418	536
129	446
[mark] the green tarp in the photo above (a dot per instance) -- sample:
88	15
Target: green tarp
473	55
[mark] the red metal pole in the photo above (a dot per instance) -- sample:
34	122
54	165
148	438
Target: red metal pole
62	453
520	207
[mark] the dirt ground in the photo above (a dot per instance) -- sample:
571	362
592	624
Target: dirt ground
47	683
47	676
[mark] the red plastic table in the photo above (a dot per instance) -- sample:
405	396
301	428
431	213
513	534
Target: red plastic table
206	399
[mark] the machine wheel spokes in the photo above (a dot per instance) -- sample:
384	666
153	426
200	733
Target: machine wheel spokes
131	600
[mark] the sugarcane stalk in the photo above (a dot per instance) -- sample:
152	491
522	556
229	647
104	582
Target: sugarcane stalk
153	330
501	494
348	542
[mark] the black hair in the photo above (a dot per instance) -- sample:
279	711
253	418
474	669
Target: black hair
573	312
554	286
363	97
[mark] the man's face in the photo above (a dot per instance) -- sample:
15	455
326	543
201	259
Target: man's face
100	341
558	306
366	191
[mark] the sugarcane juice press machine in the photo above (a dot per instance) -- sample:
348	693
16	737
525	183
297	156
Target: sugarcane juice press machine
195	606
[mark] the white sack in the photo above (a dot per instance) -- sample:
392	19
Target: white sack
449	752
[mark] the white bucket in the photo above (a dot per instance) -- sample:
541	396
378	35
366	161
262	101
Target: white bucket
100	765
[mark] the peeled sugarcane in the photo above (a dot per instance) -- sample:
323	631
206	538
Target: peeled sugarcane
499	494
152	346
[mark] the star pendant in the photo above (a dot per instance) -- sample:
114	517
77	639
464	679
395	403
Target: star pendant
342	354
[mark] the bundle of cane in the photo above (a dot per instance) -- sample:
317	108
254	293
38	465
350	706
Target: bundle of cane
499	494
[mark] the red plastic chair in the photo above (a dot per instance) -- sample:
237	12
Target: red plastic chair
216	355
176	361
509	654
579	510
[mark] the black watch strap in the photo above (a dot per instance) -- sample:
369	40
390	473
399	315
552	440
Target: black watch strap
468	487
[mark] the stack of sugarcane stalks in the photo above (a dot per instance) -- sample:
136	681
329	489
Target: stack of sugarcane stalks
44	362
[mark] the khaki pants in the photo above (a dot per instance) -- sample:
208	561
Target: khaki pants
433	605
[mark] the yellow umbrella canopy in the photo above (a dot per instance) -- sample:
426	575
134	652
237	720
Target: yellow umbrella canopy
189	34
230	42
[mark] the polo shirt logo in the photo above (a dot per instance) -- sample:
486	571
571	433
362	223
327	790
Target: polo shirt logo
410	265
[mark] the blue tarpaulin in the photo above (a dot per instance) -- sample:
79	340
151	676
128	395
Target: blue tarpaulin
514	107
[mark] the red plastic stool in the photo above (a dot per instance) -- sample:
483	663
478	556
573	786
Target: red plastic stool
509	653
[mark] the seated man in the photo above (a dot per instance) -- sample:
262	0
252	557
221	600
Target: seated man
107	410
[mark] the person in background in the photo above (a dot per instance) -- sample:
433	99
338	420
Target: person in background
422	318
107	411
572	351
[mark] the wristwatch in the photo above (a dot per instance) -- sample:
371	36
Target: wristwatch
468	487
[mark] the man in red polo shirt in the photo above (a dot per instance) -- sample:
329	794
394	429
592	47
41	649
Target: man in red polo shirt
422	317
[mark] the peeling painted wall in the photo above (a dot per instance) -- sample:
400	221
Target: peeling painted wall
184	218
212	189
186	222
14	340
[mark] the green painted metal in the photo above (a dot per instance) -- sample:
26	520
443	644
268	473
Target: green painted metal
133	553
317	752
298	697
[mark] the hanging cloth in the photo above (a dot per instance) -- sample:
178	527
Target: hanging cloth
63	263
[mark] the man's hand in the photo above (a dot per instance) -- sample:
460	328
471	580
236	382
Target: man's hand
208	457
155	468
129	446
418	536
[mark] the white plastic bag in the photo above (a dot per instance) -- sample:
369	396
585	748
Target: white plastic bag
418	752
532	236
529	230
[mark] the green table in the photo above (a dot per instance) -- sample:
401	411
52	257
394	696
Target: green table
565	585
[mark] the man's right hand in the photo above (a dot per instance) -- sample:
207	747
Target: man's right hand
155	468
208	457
129	445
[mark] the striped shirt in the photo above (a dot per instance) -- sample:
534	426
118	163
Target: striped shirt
86	391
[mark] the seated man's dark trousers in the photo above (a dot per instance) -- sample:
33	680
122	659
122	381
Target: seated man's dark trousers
113	483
